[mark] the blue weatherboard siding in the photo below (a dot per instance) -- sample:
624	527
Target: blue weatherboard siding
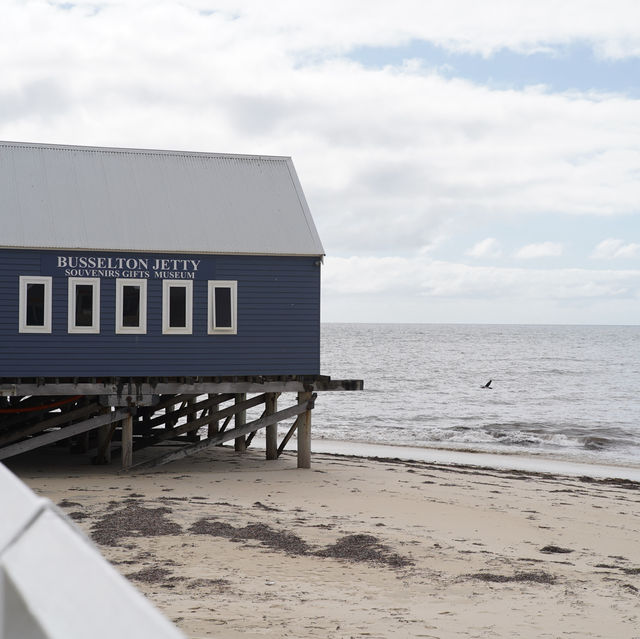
278	320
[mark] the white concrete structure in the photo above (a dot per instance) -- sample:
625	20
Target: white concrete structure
55	585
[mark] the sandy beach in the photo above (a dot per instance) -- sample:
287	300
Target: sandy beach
230	545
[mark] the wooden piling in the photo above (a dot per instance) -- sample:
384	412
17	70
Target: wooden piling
127	442
105	433
304	433
213	426
169	423
240	420
271	407
192	434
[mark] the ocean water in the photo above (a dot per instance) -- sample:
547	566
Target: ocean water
562	392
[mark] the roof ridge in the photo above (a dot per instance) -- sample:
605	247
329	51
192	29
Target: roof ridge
139	151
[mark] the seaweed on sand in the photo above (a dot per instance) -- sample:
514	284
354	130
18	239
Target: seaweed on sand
133	520
351	548
153	575
278	540
538	577
364	548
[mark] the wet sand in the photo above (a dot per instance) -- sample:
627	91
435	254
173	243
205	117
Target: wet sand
230	545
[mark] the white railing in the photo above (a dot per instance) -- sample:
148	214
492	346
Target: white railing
55	585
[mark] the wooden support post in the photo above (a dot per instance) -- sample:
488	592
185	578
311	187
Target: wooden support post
241	419
127	442
192	435
146	418
169	423
82	444
212	428
105	433
304	434
271	405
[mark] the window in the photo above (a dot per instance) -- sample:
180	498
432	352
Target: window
35	304
177	307
222	307
84	305
131	306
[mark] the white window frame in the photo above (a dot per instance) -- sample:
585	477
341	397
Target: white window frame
167	285
212	329
142	327
71	309
25	280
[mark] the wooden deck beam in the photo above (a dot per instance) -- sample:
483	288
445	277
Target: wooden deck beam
146	393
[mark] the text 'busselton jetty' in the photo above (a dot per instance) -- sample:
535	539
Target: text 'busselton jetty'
145	295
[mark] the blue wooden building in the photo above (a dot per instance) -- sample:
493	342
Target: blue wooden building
123	269
117	262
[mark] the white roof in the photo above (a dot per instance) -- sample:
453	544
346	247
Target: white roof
74	197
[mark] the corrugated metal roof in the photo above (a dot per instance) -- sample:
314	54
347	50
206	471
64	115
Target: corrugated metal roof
74	197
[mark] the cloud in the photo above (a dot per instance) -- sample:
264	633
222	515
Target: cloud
33	99
438	279
463	25
612	248
542	249
489	247
390	159
268	78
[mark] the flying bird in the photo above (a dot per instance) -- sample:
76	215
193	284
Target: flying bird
488	385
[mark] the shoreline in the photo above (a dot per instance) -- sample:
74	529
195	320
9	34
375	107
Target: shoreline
475	459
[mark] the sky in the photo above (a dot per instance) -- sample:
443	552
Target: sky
464	161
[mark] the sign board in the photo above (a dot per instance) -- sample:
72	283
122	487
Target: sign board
126	266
